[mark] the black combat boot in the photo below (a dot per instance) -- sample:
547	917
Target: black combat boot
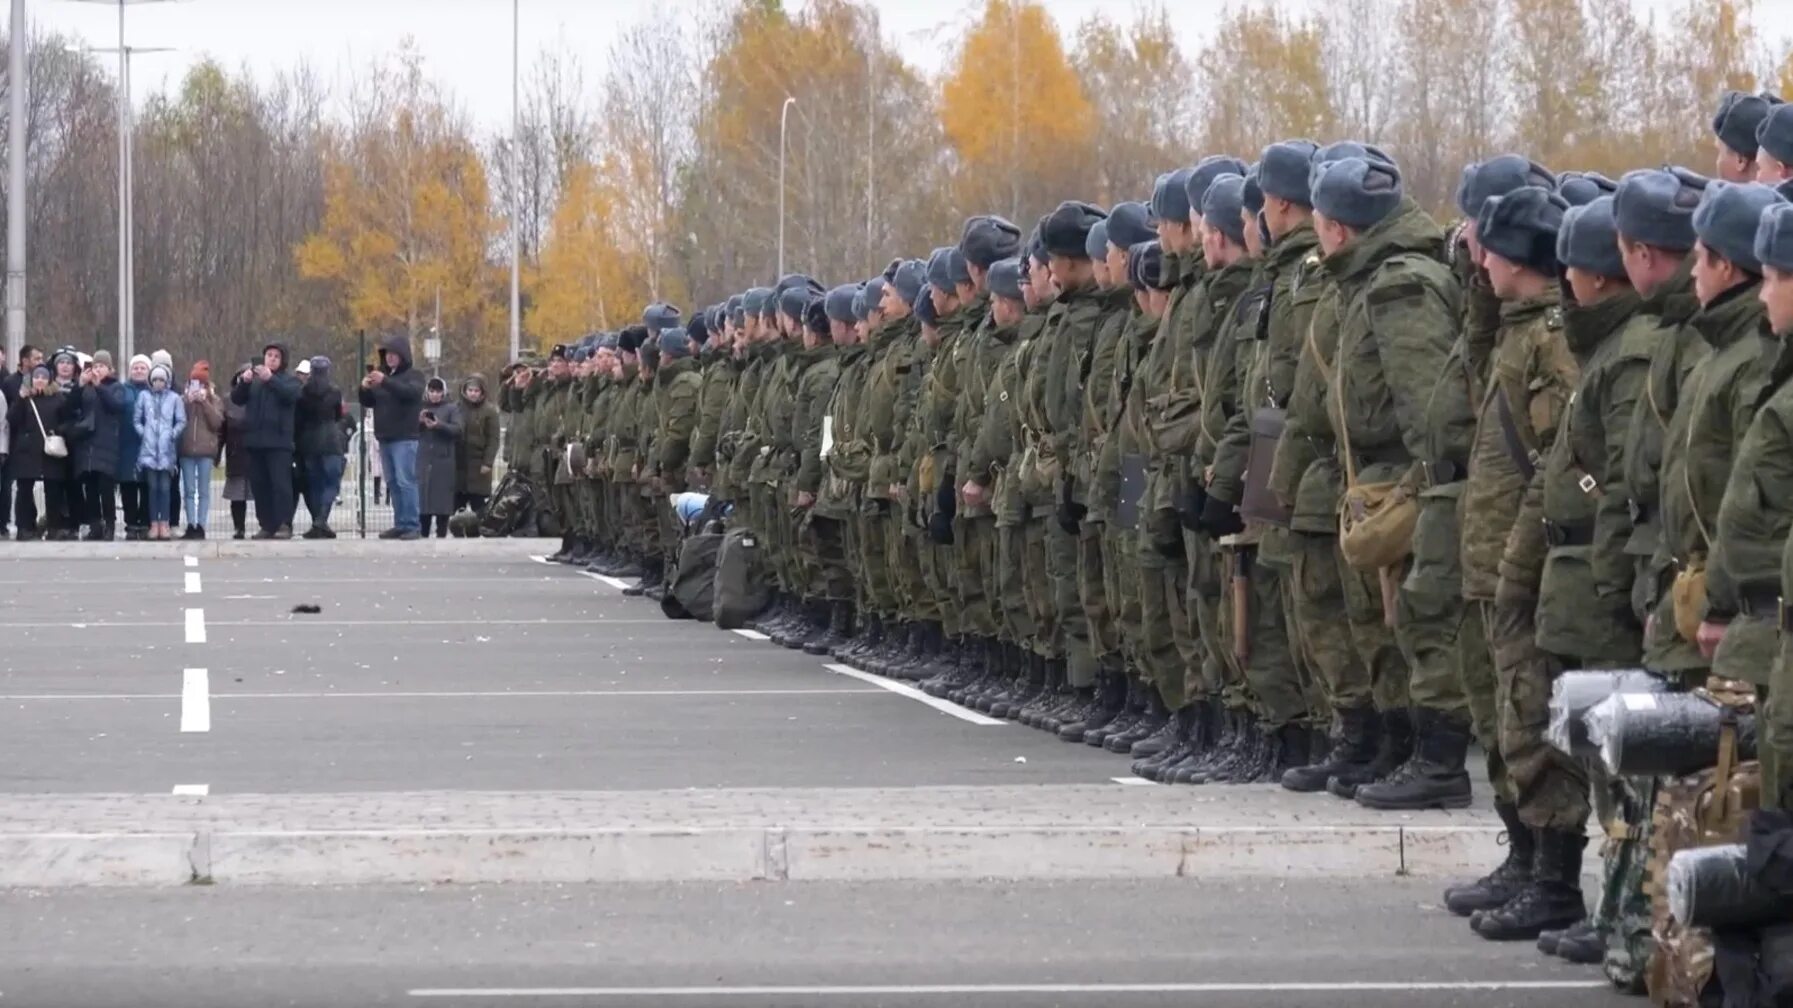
1256	768
1164	738
1289	748
1052	678
1072	704
1149	724
811	624
1227	729
1204	737
1552	899
1132	709
870	631
1008	699
650	579
627	565
1434	777
1354	747
840	629
581	554
1504	882
1228	769
566	550
940	656
1107	703
926	642
1182	723
1394	747
1580	943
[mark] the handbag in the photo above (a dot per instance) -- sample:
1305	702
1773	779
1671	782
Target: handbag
1376	520
54	445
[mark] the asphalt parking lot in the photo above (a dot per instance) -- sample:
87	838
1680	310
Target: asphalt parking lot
146	675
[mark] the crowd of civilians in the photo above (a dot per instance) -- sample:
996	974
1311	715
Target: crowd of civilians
139	449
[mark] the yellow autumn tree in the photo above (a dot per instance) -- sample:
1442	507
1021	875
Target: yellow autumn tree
588	280
1137	79
407	218
1263	79
1016	116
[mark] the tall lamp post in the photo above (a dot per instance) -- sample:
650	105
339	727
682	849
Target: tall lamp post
516	181
126	292
18	77
784	121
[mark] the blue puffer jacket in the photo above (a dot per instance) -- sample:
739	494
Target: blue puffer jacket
161	416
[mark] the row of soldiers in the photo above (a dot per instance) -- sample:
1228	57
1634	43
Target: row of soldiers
1268	478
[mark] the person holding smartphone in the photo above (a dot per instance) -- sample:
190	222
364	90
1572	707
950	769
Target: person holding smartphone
201	442
395	394
270	398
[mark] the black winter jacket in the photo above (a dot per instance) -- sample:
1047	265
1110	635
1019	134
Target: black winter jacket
398	399
270	406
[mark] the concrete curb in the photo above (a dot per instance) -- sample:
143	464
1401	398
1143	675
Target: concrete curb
247	549
739	854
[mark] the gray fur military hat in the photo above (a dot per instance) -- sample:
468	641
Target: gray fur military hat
675	343
1145	267
1036	243
924	306
1342	149
987	238
1065	231
1223	206
940	267
1497	176
1521	227
1727	218
839	303
1774	237
1775	134
1356	192
659	316
910	277
1739	114
1589	239
1206	171
1096	244
754	301
1129	224
1283	170
1170	196
1582	188
1655	206
1254	192
873	296
793	299
699	327
1005	279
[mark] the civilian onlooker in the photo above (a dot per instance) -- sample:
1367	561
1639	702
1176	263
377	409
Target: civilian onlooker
272	397
201	443
35	418
65	374
166	359
439	439
29	357
479	446
236	454
323	442
160	418
395	394
99	418
133	495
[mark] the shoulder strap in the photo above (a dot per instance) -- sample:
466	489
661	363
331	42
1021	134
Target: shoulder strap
40	420
1335	382
1524	456
1693	504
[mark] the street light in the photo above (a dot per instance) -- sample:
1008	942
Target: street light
126	293
516	182
19	77
784	119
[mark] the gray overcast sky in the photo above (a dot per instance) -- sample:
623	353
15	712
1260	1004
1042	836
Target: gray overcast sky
466	42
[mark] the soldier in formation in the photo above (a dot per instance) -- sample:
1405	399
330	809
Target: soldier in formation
1267	476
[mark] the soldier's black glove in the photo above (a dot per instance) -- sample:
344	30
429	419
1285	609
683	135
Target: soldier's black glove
1070	513
1221	518
946	502
940	528
1167	538
1191	504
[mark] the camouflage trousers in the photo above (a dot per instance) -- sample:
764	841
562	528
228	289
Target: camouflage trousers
975	552
904	555
939	565
1259	654
1276	556
1164	617
1019	626
1073	637
1120	584
1210	676
560	501
1093	591
1320	598
1042	593
1549	787
873	538
827	576
1777	748
1623	913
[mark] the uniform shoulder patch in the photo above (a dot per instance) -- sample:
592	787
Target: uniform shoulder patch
1553	318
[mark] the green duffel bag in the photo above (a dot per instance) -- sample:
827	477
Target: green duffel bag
741	579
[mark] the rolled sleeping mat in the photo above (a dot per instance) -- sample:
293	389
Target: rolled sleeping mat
1575	693
1712	887
1663	734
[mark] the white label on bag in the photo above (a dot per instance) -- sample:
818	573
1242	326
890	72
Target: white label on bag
827	436
1639	701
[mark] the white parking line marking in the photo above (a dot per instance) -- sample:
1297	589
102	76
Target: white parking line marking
752	634
192	790
435	694
196	701
192	561
976	990
196	626
192	582
1133	781
944	706
618	583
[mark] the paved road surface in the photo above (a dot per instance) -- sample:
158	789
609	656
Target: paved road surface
846	946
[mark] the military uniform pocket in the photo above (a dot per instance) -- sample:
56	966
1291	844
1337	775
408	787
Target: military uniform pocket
1437	535
1576	618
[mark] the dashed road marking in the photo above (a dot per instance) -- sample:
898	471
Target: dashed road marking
195	626
192	790
196	701
192	582
192	561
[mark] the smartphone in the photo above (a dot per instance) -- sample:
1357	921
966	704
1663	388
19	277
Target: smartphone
195	386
